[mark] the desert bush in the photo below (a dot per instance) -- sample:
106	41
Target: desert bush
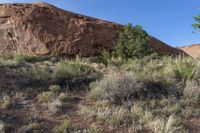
10	64
24	58
69	70
35	76
37	73
124	87
170	84
168	70
183	69
192	91
105	57
132	43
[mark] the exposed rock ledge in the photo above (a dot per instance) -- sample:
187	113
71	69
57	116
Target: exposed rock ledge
42	29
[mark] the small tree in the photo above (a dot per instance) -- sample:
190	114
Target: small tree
197	24
105	57
132	43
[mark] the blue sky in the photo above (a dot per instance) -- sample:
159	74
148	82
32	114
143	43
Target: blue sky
168	20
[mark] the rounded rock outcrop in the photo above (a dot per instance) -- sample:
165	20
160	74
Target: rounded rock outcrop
43	29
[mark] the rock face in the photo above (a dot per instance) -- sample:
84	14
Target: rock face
192	50
42	29
162	47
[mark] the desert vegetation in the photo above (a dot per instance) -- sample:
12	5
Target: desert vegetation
197	24
158	95
129	90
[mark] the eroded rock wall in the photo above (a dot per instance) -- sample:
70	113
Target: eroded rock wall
42	29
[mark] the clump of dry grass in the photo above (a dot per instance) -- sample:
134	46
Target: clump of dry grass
8	102
54	88
165	126
104	112
125	87
64	127
55	107
192	91
139	117
68	70
46	97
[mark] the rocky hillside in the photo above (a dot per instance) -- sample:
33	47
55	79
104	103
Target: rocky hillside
42	29
192	50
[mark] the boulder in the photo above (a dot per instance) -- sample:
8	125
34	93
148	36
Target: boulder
43	29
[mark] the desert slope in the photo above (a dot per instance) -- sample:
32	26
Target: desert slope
192	50
43	29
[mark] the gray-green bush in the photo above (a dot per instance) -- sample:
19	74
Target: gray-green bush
24	58
125	86
69	70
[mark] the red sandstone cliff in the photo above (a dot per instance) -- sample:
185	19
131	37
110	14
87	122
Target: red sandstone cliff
42	29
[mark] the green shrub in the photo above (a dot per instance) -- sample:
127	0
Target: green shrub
69	70
37	73
33	76
9	64
183	69
165	69
132	43
24	58
105	57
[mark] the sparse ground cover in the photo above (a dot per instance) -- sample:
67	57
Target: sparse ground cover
128	90
42	94
159	95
